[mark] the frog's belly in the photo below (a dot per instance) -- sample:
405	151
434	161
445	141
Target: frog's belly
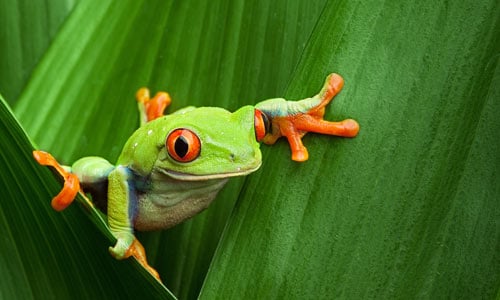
169	205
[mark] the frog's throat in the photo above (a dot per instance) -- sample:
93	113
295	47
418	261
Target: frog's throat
194	177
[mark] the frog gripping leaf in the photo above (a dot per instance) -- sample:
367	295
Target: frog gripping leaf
173	166
293	119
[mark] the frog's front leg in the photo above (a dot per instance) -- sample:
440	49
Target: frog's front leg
91	170
84	173
293	119
122	204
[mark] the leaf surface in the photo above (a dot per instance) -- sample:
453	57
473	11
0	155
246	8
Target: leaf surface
409	207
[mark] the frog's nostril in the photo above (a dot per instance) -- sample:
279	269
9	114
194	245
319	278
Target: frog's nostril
232	157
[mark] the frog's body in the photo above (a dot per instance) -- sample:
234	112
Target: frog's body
173	166
166	192
155	206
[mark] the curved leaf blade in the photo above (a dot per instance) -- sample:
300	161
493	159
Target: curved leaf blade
48	253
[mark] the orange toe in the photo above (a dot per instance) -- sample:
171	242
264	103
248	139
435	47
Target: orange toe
67	194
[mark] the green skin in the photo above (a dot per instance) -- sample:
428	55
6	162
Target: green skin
149	190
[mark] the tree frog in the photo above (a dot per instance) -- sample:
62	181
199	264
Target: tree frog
172	167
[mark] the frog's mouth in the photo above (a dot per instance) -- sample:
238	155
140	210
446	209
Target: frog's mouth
199	177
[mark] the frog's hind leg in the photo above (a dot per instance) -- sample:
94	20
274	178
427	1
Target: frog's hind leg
71	183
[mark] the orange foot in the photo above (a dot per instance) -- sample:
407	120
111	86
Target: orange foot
296	125
71	183
137	251
152	108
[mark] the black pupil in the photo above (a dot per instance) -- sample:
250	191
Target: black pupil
181	146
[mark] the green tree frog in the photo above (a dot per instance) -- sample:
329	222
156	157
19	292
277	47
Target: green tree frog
172	167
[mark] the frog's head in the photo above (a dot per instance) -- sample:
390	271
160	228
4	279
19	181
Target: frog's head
197	144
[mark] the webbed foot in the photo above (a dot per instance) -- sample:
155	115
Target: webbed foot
293	119
71	183
151	109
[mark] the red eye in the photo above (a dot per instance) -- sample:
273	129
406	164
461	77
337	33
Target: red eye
183	145
261	124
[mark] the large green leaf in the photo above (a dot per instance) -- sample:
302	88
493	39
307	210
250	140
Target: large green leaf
409	207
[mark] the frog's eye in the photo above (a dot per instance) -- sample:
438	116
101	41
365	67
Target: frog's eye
261	123
183	145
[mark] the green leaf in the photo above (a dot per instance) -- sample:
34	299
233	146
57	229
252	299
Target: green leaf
409	207
26	30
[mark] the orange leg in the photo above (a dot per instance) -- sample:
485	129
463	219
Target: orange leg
155	107
71	183
345	128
